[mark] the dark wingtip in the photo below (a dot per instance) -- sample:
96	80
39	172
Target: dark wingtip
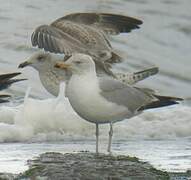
6	84
171	98
162	102
17	80
15	74
3	101
125	23
4	98
152	71
5	95
139	22
6	80
4	77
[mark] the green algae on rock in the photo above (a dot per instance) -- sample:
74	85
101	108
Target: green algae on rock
91	166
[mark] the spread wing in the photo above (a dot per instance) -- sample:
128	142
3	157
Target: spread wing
75	32
109	23
54	39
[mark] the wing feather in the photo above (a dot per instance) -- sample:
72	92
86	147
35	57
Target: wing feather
75	32
53	40
124	95
109	23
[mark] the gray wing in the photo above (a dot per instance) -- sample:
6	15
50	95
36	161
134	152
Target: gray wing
121	94
109	23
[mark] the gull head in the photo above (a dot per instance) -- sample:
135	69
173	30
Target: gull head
38	61
78	64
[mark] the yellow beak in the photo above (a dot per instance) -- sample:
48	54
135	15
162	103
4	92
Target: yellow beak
62	65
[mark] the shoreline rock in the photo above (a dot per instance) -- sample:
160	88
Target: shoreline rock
89	166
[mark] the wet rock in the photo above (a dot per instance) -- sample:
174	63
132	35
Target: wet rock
89	166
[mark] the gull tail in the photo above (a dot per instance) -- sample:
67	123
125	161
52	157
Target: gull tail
6	80
137	76
162	101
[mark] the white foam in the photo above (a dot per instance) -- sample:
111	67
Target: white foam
53	119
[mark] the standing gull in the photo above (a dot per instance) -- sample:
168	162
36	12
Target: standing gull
85	33
106	100
51	76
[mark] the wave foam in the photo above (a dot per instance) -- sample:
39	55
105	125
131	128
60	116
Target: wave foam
53	119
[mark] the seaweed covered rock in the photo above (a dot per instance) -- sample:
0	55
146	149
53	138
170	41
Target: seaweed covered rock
89	166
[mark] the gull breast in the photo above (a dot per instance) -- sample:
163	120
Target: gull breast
84	96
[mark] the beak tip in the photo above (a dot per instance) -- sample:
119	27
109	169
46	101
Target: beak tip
24	64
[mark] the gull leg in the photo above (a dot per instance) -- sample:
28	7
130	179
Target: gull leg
110	138
97	137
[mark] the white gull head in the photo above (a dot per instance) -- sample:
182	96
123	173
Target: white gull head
78	64
40	60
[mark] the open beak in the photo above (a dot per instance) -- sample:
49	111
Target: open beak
62	65
24	64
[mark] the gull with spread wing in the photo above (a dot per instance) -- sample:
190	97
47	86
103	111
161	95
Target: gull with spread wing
82	33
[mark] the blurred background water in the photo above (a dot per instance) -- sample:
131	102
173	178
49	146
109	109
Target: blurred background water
44	123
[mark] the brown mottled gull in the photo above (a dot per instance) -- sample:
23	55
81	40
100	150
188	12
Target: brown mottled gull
85	33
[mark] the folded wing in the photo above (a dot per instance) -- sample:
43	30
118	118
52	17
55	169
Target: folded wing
135	99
